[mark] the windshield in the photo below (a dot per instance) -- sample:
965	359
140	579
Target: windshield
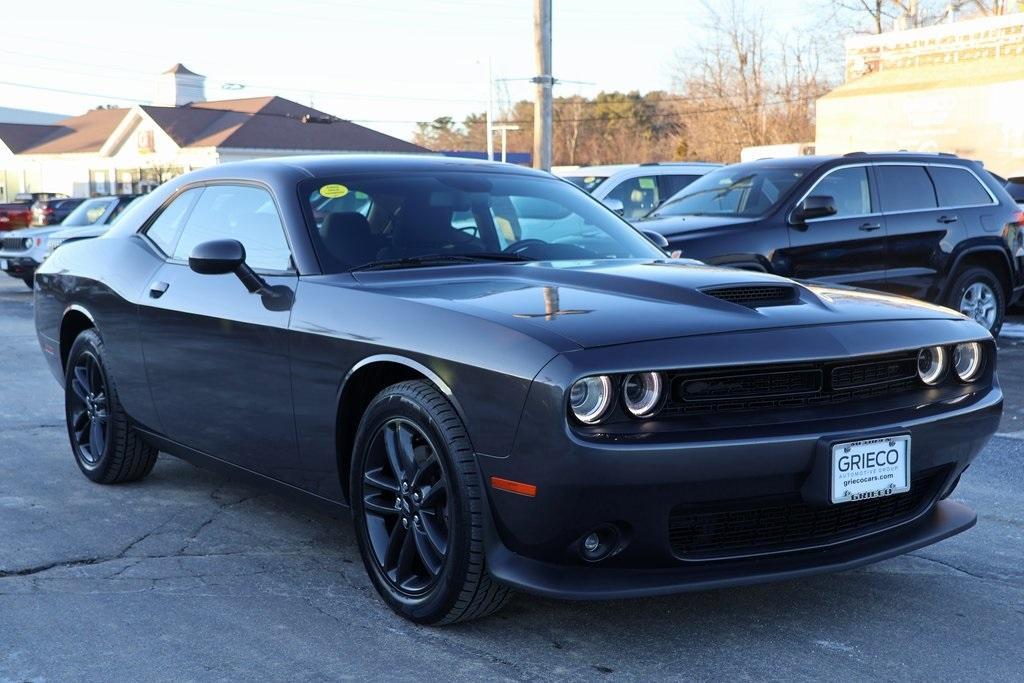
732	191
89	212
587	182
448	217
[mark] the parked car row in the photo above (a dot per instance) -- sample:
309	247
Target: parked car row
22	251
934	227
22	211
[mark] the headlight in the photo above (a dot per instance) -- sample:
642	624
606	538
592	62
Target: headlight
642	393
590	397
931	364
967	360
27	243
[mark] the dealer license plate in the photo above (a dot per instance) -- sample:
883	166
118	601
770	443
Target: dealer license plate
870	469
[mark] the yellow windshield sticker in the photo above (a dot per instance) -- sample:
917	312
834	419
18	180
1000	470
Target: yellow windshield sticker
647	183
589	179
333	190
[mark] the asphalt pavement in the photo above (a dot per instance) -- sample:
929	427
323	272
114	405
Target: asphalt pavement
191	576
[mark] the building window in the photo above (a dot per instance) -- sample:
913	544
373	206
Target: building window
145	140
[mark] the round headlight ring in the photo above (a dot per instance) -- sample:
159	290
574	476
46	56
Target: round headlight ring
641	392
931	364
967	359
590	397
27	243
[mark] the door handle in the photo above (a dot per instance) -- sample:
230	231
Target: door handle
870	227
157	289
948	219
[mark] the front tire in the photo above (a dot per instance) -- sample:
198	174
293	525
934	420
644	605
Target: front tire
978	294
417	505
106	447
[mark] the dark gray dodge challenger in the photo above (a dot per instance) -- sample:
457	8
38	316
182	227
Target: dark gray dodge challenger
508	385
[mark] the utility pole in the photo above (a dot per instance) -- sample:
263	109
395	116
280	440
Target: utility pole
490	111
544	81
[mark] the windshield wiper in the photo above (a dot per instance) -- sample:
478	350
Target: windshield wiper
438	259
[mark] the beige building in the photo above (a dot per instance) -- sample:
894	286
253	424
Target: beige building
133	149
955	87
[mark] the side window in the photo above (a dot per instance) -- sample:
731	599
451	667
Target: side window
905	188
670	184
242	213
639	196
164	231
958	187
849	188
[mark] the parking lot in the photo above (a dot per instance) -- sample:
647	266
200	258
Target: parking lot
187	575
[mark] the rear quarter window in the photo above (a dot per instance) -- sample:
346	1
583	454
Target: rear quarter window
958	187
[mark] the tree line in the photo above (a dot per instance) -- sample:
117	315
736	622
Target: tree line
740	85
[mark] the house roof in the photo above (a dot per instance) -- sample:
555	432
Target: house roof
78	134
933	77
271	123
20	136
180	68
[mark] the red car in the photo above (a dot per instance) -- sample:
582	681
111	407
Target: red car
18	214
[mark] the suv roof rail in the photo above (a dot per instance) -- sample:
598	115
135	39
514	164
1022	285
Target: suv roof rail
680	163
904	151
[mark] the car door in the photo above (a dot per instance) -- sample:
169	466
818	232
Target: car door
216	355
918	228
847	247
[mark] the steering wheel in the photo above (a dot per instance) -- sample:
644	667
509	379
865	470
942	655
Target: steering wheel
522	245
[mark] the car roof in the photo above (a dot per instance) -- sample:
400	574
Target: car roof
813	161
608	170
334	164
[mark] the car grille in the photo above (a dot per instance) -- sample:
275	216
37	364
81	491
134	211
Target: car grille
754	295
13	244
774	387
699	533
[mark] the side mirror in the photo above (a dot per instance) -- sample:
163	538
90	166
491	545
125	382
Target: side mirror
658	239
220	257
217	257
817	206
615	205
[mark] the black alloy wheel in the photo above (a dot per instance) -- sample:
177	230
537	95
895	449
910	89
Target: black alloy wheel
106	446
89	416
418	508
405	499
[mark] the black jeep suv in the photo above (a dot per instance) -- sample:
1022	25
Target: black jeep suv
931	226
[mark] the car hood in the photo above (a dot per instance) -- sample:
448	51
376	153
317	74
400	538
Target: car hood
34	232
601	303
80	231
676	225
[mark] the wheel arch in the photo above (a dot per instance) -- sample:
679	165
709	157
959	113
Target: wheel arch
992	257
76	319
366	379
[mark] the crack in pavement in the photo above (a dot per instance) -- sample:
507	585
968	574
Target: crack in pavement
959	570
123	553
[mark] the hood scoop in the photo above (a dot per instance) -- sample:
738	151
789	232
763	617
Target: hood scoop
754	295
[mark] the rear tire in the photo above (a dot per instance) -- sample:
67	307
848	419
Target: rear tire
978	294
417	505
106	447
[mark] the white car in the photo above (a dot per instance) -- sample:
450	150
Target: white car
639	188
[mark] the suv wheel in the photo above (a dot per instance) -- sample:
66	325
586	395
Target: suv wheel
977	294
418	508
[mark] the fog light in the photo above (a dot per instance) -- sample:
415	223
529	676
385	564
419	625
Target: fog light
931	364
600	543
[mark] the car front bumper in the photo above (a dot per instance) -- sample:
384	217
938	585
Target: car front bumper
19	266
637	486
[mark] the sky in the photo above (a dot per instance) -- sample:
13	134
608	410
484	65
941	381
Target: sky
383	63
